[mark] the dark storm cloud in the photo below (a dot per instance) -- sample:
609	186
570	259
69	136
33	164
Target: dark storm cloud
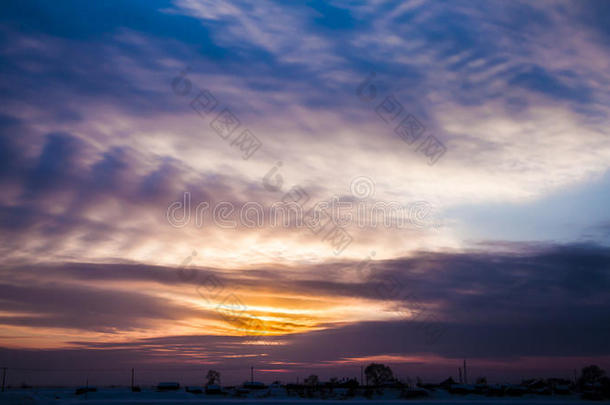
56	305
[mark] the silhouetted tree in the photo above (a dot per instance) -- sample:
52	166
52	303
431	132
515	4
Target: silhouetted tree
333	383
591	374
482	381
378	374
312	380
311	383
213	377
352	383
593	383
605	381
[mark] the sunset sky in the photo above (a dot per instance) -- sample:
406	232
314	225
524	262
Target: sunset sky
124	236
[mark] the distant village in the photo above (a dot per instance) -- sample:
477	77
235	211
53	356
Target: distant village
379	382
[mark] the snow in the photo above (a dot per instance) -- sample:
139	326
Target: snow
117	396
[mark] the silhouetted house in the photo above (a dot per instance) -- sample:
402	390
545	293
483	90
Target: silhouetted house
592	391
254	385
341	392
538	386
276	389
193	389
541	391
562	389
213	389
294	389
534	384
168	386
495	390
560	386
84	390
447	383
515	390
428	386
481	388
461	389
416	392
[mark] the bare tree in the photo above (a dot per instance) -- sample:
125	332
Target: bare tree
590	375
213	377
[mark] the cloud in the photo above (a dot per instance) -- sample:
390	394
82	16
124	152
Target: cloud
95	144
538	301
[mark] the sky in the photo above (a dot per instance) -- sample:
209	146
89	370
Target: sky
303	187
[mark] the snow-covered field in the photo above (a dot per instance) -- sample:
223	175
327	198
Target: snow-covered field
123	396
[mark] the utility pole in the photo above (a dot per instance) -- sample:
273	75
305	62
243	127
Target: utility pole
252	374
465	374
361	375
132	378
575	377
3	377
